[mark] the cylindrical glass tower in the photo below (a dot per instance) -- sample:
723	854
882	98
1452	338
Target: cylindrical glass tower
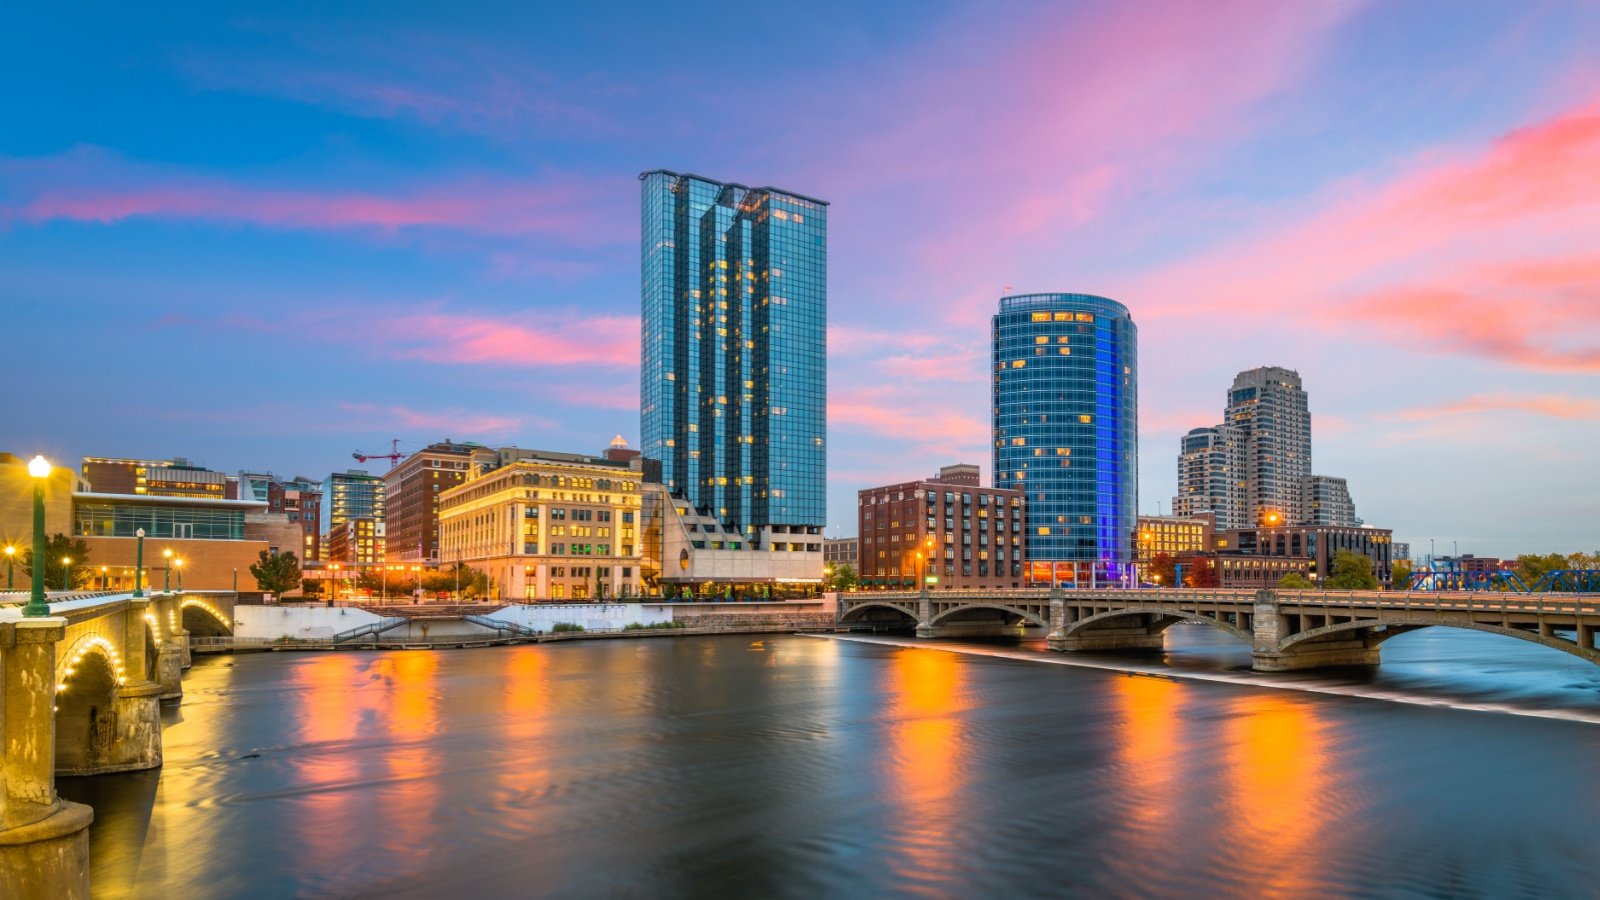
1066	432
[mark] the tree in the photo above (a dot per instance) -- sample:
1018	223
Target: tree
276	573
57	548
472	582
1531	567
1399	574
311	587
1352	572
1200	572
1294	581
841	577
1162	571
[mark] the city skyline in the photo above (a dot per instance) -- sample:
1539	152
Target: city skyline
269	242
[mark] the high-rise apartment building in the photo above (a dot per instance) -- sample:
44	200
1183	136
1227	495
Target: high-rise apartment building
1325	500
352	494
411	497
1211	476
1255	467
1066	430
1269	408
298	498
733	382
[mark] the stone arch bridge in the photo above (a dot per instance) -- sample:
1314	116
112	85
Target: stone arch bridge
80	694
1285	629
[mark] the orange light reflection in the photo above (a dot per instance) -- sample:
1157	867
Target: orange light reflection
925	748
1277	774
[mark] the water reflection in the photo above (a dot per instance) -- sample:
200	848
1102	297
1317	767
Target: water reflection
925	737
1279	794
409	800
328	766
1148	748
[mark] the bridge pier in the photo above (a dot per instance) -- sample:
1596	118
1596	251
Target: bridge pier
44	840
169	671
1270	630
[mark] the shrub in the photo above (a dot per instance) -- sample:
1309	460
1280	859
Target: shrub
566	626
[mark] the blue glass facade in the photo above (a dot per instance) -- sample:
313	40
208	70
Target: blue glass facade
1066	417
733	381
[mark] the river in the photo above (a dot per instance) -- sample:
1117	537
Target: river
789	766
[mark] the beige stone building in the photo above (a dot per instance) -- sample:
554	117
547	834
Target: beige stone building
546	526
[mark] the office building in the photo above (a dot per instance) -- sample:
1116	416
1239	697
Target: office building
176	477
411	497
1172	536
1318	543
1066	431
948	532
213	540
733	379
842	552
1211	476
352	494
299	499
1401	551
547	526
1269	408
357	542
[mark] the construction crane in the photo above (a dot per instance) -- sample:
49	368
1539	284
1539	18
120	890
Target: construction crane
393	456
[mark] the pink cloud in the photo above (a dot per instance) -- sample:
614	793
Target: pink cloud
1003	141
87	185
1488	253
528	340
887	413
1557	406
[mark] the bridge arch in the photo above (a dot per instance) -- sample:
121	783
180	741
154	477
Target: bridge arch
1161	618
202	619
1395	627
89	679
1022	617
880	612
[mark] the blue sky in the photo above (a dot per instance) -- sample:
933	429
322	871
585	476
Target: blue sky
265	239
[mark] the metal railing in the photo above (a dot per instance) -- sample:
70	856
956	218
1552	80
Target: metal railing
377	627
501	625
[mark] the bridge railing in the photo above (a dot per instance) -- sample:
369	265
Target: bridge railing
1578	604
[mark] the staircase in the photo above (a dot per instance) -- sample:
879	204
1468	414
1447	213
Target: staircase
501	625
374	628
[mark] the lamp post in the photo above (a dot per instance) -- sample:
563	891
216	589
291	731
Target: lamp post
385	588
138	564
105	579
66	573
416	592
333	585
11	566
179	564
39	468
166	572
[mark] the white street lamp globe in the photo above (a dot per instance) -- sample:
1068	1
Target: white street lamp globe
39	467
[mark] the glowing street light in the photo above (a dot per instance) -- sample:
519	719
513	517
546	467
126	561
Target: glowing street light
166	572
11	567
138	564
39	469
66	573
179	564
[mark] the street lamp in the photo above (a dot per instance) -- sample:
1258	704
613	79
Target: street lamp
179	564
39	468
66	573
11	566
922	566
138	564
105	579
166	572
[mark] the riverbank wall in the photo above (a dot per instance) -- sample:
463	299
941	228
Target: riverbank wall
317	627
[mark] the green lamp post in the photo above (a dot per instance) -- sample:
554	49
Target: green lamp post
166	572
179	564
39	468
138	564
11	567
66	573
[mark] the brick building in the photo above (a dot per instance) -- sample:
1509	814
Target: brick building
412	489
948	528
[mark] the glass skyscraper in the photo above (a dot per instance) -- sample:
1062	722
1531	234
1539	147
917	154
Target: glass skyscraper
733	392
1066	411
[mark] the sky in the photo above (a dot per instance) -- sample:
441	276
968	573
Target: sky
264	238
